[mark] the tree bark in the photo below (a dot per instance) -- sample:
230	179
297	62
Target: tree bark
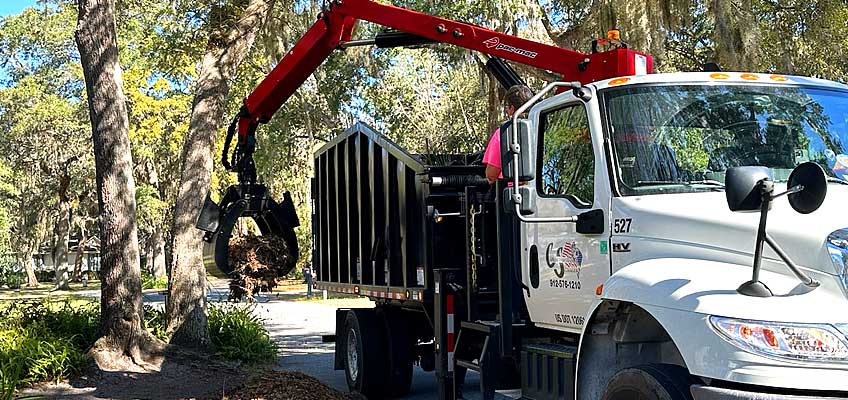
156	243
75	276
29	266
62	233
227	47
124	341
60	249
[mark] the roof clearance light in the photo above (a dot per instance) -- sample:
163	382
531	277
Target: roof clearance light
750	77
618	81
719	75
779	78
614	34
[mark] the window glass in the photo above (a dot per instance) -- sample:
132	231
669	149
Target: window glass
674	139
567	160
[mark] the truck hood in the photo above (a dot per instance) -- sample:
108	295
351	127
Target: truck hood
701	224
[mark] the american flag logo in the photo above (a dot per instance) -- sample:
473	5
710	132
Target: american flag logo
567	258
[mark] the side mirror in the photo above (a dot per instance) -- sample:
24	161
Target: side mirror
752	188
742	187
591	222
811	177
526	155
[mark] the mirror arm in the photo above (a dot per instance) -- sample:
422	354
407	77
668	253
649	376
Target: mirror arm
805	279
754	287
522	218
794	189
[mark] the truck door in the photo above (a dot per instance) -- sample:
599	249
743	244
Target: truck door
562	267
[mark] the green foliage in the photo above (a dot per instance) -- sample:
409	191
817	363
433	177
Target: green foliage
238	334
155	321
149	282
42	341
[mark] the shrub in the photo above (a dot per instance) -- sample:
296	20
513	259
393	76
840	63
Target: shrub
34	354
238	334
148	282
154	321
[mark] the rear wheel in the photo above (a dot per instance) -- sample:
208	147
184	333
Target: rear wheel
399	353
650	382
364	354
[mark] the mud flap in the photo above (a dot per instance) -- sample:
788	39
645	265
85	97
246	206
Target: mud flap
251	201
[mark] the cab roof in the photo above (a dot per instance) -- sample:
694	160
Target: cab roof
718	78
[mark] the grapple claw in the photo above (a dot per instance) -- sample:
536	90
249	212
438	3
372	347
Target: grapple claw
252	201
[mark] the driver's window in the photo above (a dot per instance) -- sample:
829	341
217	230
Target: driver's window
567	162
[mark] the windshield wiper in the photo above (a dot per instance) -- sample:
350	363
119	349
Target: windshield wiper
709	182
836	180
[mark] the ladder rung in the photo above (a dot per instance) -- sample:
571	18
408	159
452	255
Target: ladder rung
467	364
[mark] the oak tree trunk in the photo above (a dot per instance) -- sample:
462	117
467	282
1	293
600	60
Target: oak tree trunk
124	342
156	252
62	232
76	275
156	244
227	47
60	249
29	267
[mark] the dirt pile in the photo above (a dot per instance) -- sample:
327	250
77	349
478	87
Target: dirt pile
286	385
257	262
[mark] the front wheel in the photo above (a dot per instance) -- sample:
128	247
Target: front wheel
650	382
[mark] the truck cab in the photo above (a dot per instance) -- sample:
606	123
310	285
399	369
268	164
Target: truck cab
649	277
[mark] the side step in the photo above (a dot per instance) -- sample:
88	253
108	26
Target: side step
547	371
477	350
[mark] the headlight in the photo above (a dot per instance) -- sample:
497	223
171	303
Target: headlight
800	342
837	246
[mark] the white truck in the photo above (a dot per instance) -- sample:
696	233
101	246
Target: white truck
660	286
657	236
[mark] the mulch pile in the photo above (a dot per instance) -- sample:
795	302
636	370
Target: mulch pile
287	385
257	262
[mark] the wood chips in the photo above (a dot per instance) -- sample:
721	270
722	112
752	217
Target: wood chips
287	385
257	262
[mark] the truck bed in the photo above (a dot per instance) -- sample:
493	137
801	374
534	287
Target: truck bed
375	228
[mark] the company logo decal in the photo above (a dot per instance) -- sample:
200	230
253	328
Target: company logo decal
567	258
496	43
621	247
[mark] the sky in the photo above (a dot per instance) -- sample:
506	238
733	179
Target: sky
10	7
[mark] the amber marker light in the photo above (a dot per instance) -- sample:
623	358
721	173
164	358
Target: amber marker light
614	34
750	77
779	78
719	75
599	290
618	81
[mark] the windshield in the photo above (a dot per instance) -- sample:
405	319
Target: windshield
672	139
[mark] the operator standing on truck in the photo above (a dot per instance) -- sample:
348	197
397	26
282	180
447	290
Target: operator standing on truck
515	97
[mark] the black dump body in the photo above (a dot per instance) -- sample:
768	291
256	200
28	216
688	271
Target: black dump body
385	219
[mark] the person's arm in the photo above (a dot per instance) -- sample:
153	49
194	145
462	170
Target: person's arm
492	173
492	157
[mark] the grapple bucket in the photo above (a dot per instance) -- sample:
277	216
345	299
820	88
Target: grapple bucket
249	201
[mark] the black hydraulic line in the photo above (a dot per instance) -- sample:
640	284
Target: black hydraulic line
460	181
389	39
504	73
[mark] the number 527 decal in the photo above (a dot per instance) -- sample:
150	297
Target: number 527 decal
621	225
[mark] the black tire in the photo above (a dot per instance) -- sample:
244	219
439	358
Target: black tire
650	382
399	353
365	354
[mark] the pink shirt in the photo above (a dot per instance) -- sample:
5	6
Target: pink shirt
492	156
